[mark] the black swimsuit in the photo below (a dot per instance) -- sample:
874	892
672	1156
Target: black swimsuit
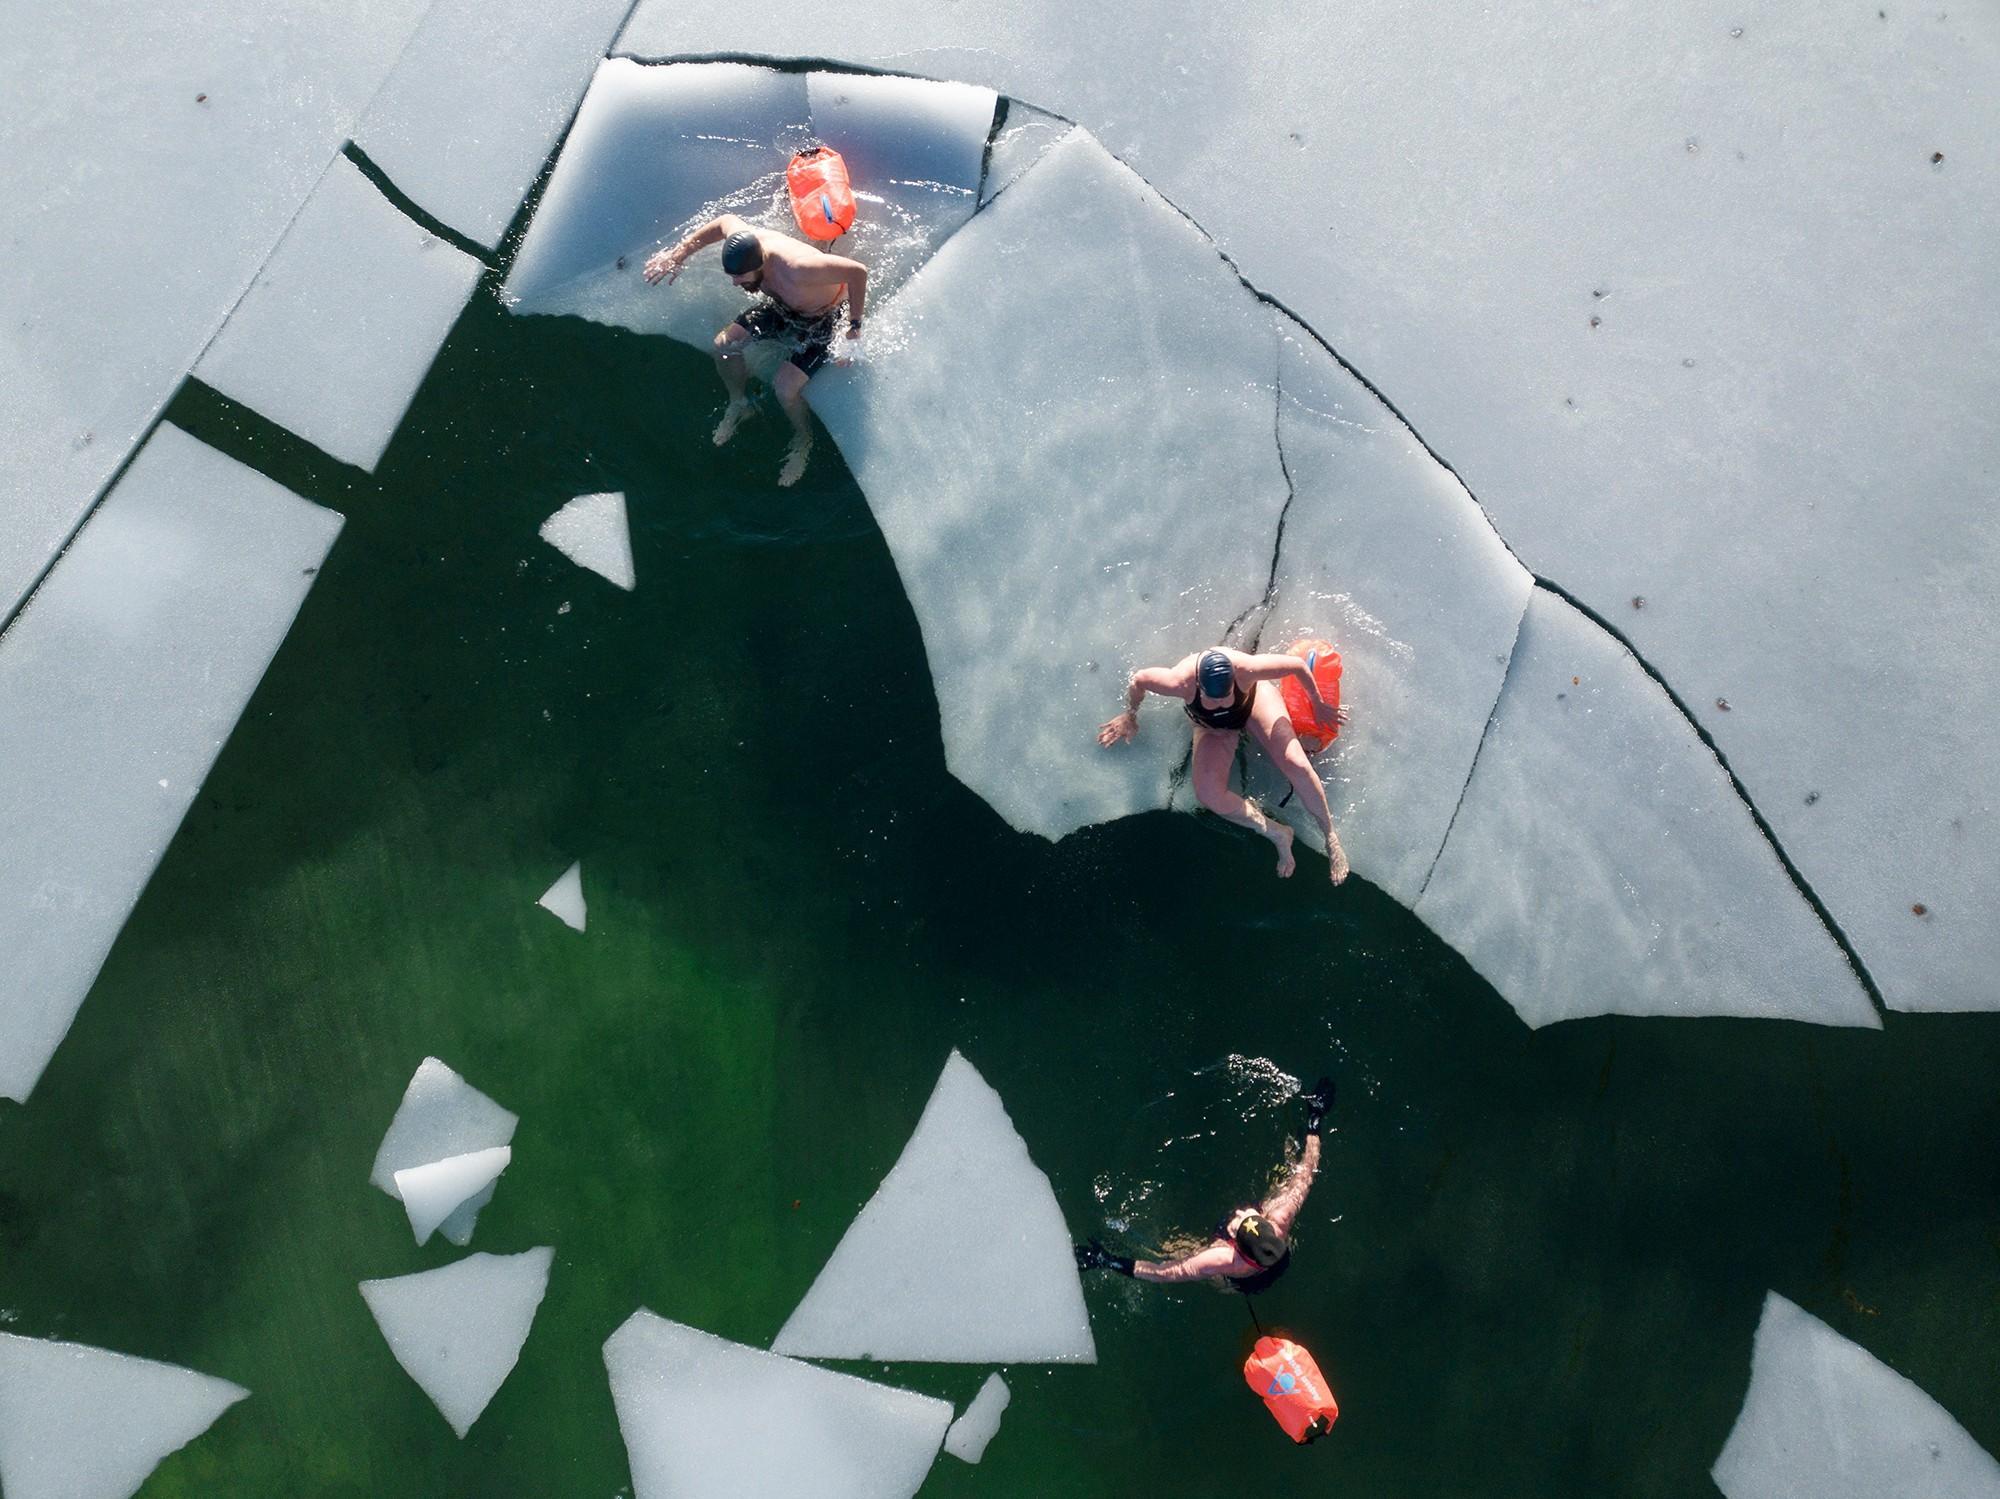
1231	718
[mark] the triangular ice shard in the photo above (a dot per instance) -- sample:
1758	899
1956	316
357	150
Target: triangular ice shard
1825	1420
591	531
458	1331
970	1433
565	898
457	1229
441	1115
81	1423
702	1416
432	1193
997	1282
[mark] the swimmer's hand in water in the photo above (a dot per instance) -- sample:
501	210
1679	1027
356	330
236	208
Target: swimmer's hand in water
1124	726
663	266
1317	1102
1094	1256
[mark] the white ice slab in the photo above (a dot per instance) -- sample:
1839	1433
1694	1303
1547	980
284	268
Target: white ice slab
565	898
478	100
118	686
83	1423
998	1281
1071	457
341	325
458	1330
702	1417
154	155
1825	1420
1387	556
441	1115
591	531
464	1220
970	1433
433	1193
1601	862
1022	139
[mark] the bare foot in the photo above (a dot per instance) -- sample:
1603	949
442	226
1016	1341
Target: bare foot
732	418
1282	836
795	462
1336	861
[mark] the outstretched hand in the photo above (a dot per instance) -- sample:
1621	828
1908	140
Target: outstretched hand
1094	1256
662	266
1317	1102
1124	726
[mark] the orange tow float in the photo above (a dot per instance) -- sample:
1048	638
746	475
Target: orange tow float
822	197
1293	1389
1314	732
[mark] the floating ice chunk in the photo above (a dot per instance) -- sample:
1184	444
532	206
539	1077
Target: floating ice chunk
458	1228
1602	863
1387	556
441	1115
129	667
341	325
702	1416
1825	1420
83	1423
998	1283
433	1193
970	1433
565	898
591	530
1047	440
477	100
458	1330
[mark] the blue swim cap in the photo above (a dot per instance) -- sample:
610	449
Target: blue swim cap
1216	675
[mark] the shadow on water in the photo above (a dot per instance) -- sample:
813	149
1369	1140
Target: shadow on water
1532	1267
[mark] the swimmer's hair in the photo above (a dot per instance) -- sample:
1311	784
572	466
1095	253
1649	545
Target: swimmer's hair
742	252
1258	1237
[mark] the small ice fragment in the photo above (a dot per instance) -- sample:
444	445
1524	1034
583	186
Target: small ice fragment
970	1433
702	1416
457	1331
591	531
84	1423
441	1115
565	897
457	1229
432	1193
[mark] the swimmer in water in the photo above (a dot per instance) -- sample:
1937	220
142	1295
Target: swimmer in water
1223	691
802	292
1252	1246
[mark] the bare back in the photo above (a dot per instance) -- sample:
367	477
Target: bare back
804	279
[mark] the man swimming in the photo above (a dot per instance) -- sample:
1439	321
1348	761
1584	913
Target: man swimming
1251	1247
1222	691
803	289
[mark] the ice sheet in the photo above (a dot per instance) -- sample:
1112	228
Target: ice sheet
591	531
564	899
477	101
341	324
1046	440
154	155
1825	1420
1601	863
970	1433
702	1417
83	1423
998	1283
432	1194
118	686
441	1115
1023	137
1387	556
458	1330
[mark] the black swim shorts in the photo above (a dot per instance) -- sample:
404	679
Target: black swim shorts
810	335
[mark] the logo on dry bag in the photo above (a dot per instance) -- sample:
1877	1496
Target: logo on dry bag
1284	1384
826	207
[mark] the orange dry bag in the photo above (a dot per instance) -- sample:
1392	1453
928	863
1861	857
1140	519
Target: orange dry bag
1293	1388
1314	733
822	199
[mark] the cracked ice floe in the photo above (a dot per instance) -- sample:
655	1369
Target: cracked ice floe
997	1283
1601	862
1824	1419
118	686
592	531
341	325
657	149
702	1416
970	1433
1070	458
458	1330
442	1116
477	99
564	899
84	1423
434	1192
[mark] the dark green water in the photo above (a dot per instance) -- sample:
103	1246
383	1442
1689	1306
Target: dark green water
1533	1264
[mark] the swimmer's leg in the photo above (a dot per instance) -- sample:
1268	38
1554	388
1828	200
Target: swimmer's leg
1214	753
729	346
789	385
1272	726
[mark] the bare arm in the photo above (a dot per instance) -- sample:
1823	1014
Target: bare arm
666	264
1283	1205
1276	668
1203	1264
1168	681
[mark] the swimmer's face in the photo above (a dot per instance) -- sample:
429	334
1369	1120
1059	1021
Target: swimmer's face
749	280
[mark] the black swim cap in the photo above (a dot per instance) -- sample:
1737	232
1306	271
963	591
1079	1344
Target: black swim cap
1217	676
1258	1237
741	252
